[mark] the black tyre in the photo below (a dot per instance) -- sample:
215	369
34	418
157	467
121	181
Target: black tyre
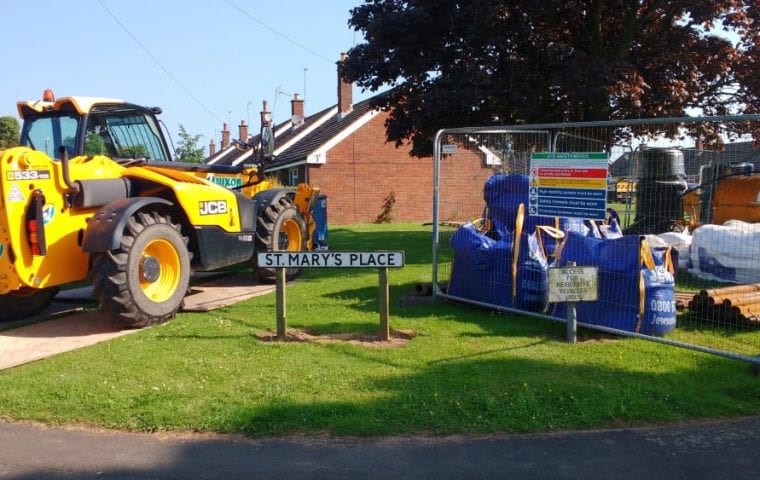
25	302
145	280
280	228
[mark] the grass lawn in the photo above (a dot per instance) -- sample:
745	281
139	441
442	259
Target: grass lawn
465	371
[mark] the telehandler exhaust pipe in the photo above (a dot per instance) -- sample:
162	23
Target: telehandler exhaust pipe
65	167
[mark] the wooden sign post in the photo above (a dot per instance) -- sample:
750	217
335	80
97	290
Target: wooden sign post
280	307
381	260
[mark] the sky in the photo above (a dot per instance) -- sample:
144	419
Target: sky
204	62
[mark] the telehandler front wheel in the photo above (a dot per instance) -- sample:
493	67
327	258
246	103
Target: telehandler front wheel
144	281
280	228
25	302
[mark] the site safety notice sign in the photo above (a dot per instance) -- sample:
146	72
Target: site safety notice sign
568	185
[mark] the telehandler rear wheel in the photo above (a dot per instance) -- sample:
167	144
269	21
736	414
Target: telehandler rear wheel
280	227
144	281
25	302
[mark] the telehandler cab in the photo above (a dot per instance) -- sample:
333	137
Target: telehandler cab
92	195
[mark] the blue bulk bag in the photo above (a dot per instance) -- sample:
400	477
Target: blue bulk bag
618	263
503	195
660	303
499	272
636	291
577	225
532	292
612	230
481	267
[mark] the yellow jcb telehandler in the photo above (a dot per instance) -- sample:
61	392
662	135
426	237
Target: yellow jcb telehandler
92	194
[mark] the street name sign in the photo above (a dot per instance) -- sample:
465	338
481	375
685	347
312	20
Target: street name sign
378	259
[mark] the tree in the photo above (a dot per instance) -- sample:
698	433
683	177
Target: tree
94	145
455	63
132	151
9	132
188	149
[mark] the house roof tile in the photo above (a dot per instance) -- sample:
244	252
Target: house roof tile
321	135
298	151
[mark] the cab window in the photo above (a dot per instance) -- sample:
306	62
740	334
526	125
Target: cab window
122	133
49	133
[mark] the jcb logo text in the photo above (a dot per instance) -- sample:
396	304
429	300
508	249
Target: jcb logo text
213	207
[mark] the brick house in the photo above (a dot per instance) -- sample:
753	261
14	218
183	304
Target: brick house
343	150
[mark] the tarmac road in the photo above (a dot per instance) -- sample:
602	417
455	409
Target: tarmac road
712	450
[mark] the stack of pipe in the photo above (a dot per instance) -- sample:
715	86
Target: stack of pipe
737	305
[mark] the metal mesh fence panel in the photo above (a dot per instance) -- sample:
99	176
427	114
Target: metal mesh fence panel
678	252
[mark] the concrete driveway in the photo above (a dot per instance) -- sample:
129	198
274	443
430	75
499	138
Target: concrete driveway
71	328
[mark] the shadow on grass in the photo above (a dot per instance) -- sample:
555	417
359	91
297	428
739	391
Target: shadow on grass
403	306
341	327
510	395
688	322
489	352
252	327
496	323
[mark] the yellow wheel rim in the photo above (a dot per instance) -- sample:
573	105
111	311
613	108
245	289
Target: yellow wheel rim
290	236
159	270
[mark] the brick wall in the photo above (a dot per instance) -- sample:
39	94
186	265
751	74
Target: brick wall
364	169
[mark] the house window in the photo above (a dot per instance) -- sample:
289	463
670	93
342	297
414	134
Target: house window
293	176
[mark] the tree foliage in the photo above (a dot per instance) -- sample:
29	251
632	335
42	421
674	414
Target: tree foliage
9	132
94	145
483	62
187	148
132	151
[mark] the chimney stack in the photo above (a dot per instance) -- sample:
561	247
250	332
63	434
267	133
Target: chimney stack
296	106
345	102
225	136
243	131
266	115
211	148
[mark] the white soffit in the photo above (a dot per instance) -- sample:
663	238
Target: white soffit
319	156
